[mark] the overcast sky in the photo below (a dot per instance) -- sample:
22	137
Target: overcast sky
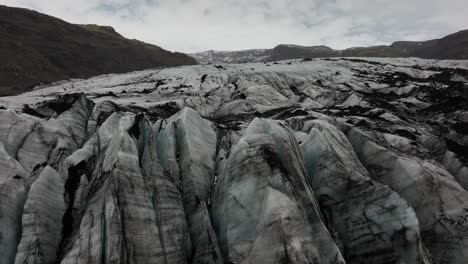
198	25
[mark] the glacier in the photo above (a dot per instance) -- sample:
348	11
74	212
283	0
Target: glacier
342	160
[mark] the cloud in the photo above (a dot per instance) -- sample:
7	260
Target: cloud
197	25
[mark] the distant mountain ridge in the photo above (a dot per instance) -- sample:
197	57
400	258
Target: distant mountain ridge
37	48
453	47
212	56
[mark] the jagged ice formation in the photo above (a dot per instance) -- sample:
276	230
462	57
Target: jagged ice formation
325	161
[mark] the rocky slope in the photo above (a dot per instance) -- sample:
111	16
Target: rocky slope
451	47
36	48
326	161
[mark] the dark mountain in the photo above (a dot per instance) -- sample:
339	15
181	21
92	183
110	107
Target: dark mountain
284	52
454	46
37	48
451	47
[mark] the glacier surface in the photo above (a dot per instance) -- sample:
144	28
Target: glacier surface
343	160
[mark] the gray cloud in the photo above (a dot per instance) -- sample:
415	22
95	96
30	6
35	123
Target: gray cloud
197	25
